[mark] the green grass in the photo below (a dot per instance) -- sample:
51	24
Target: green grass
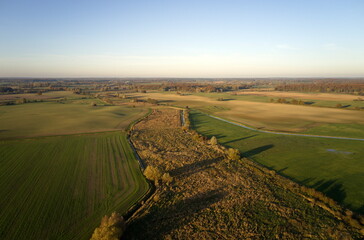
60	187
341	130
50	118
332	166
62	94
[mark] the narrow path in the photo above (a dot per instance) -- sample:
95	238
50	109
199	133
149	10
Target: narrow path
281	133
183	117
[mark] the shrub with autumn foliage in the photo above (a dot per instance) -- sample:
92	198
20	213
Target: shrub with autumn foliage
213	140
152	173
233	154
111	228
167	178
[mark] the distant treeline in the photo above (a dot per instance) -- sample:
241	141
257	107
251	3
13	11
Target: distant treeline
20	90
193	87
324	87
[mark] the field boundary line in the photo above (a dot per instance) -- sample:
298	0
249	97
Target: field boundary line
132	212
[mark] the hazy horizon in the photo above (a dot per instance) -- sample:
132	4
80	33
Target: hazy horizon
184	39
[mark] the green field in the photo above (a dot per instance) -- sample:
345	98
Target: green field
60	187
332	166
52	118
341	130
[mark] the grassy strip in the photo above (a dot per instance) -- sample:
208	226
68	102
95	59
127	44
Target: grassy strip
331	166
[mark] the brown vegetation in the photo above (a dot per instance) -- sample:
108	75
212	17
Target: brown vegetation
214	196
111	228
153	174
192	87
213	140
301	95
324	87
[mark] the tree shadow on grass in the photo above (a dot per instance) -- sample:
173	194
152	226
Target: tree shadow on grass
308	103
197	123
210	133
257	150
360	210
331	188
227	99
280	171
119	114
239	139
160	221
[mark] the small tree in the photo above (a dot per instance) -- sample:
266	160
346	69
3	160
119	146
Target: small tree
152	173
233	154
166	178
21	101
294	101
111	228
339	105
213	140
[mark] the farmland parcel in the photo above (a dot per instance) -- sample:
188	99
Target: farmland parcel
60	187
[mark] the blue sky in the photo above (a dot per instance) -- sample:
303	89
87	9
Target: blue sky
181	38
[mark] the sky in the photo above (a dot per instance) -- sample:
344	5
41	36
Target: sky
181	38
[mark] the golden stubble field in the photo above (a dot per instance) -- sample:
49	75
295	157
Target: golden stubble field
272	116
297	95
44	96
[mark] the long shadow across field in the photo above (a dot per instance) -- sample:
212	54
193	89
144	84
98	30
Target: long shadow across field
163	220
332	188
189	169
239	139
257	150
